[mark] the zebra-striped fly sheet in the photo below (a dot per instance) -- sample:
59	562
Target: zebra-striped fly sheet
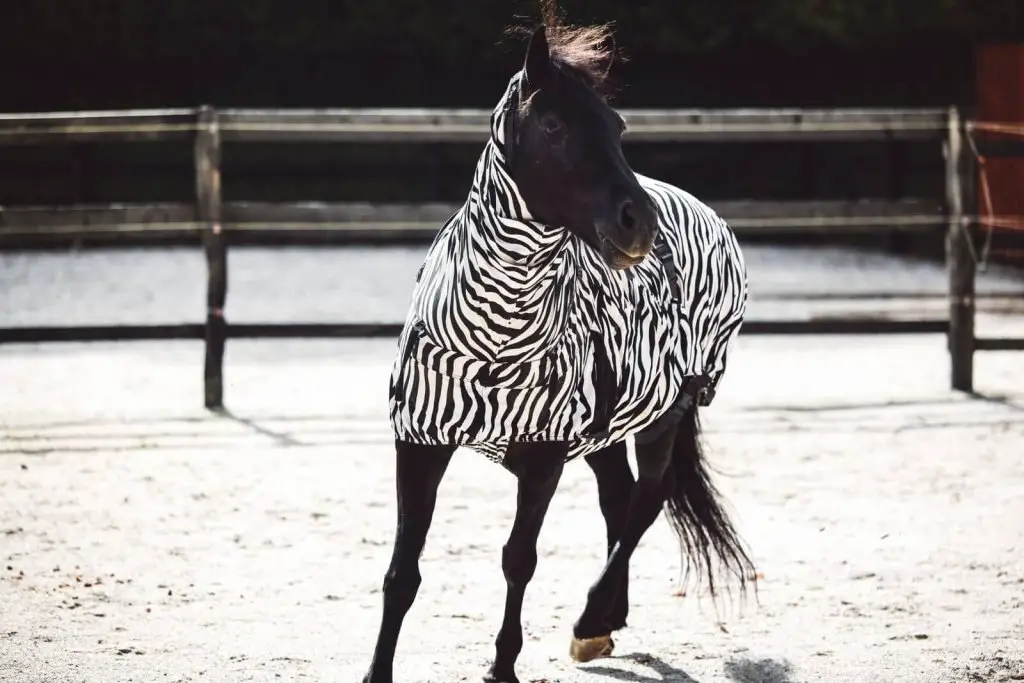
518	331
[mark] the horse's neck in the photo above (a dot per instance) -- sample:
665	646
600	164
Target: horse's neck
520	272
500	227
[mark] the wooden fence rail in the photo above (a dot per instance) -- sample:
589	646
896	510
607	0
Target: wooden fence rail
465	125
349	223
215	223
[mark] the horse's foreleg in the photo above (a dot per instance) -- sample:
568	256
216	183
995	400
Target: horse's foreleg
591	633
419	470
614	490
538	468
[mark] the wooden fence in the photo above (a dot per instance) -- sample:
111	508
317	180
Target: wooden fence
215	222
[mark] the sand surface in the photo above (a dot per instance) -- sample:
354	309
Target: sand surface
144	539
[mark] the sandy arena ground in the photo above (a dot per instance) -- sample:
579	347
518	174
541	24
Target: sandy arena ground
143	539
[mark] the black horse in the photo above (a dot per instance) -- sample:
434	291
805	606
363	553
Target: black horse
565	157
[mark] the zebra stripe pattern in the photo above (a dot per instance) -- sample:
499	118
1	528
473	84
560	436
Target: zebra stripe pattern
518	331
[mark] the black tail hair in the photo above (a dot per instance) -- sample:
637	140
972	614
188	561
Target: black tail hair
695	512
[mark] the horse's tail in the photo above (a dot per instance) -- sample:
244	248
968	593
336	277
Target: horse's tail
694	510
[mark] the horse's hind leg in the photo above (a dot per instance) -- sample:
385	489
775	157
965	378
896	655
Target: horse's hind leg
614	489
538	468
419	470
591	634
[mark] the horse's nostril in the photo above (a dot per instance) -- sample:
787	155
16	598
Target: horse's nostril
627	216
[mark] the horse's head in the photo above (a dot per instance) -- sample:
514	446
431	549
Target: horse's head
566	156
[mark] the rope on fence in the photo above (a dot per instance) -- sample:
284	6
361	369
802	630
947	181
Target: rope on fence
999	127
988	219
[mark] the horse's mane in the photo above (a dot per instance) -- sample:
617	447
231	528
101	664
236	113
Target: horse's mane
588	50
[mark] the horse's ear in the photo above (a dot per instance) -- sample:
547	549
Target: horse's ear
538	58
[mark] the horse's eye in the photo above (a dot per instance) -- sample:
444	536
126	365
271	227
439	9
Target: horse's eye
550	123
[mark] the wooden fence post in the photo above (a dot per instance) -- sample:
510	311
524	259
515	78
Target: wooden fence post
208	210
960	266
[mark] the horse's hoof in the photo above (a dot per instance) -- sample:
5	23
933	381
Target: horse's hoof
490	678
587	649
494	677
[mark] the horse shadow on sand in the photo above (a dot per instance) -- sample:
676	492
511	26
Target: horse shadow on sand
738	670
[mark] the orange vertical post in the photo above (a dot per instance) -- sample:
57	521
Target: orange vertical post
999	82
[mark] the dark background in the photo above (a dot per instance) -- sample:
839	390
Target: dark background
59	54
106	54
